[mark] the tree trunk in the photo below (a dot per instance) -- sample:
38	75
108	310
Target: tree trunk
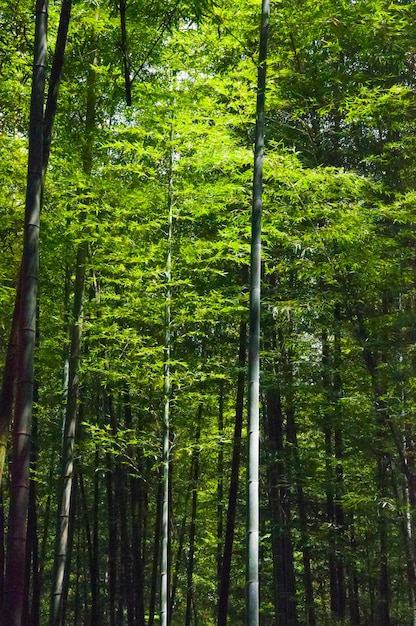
77	599
33	577
124	51
138	515
125	544
253	605
67	455
55	79
90	552
224	584
156	553
383	606
179	551
330	478
46	517
280	517
95	574
373	360
19	497
112	543
340	518
291	436
220	480
2	555
125	588
164	569
331	379
8	389
353	588
192	527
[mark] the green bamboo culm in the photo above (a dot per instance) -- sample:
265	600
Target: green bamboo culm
254	335
164	584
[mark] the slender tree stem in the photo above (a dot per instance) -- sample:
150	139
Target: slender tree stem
254	336
164	583
124	51
190	600
7	395
19	498
55	79
224	582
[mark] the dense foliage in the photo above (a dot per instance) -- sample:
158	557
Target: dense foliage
156	118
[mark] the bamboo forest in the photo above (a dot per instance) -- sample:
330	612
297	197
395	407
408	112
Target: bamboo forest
207	313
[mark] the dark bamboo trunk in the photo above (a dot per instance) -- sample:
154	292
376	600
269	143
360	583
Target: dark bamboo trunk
156	553
10	370
340	517
373	360
124	51
33	572
220	481
353	586
192	527
78	563
224	583
2	553
383	605
180	549
95	573
126	590
291	437
306	557
90	552
331	379
330	513
19	496
61	561
55	79
138	516
125	545
280	516
8	389
34	607
330	478
407	531
112	543
46	517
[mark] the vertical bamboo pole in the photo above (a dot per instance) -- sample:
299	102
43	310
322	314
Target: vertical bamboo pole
254	335
19	497
7	392
164	582
224	582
